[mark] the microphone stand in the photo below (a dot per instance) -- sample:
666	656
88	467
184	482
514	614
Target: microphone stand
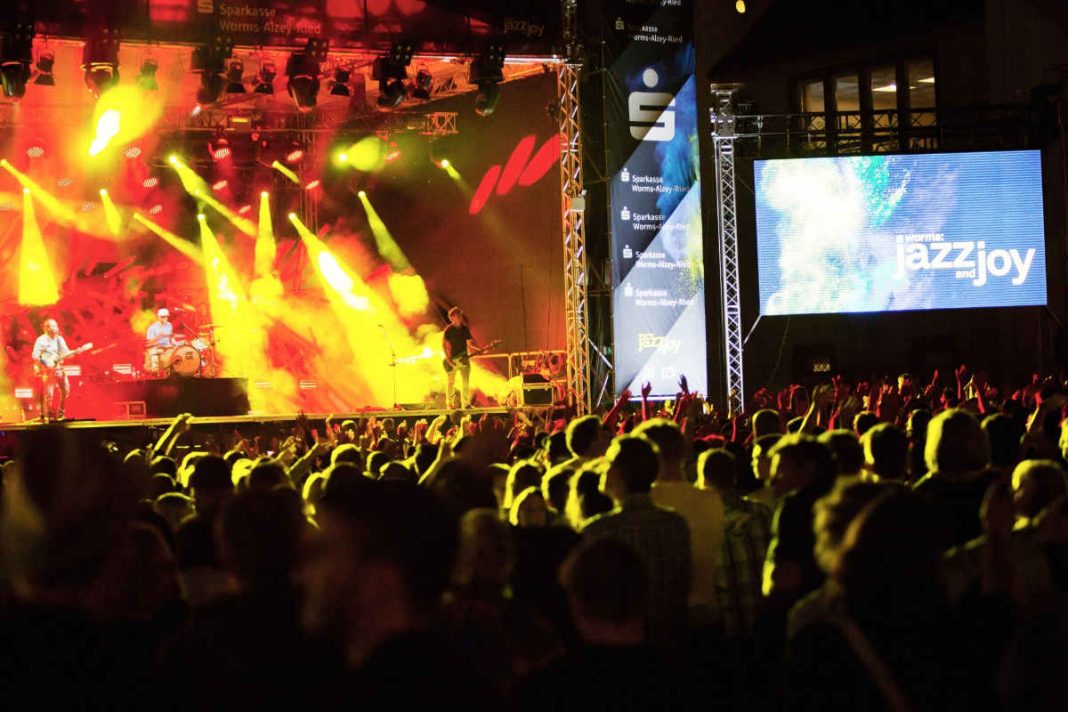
392	362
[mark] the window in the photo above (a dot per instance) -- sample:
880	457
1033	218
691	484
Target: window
921	84
846	93
812	100
884	89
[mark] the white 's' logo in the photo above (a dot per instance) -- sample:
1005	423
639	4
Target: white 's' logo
652	113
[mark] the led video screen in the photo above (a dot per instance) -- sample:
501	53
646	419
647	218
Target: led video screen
900	232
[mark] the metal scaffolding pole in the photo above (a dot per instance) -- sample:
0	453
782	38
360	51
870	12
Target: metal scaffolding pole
723	136
573	218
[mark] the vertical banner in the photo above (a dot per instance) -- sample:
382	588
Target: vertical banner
657	256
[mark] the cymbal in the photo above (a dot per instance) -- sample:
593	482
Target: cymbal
210	326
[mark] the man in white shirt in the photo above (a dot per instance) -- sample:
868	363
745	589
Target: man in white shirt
49	348
701	508
161	331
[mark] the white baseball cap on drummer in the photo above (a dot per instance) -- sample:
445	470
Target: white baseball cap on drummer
163	312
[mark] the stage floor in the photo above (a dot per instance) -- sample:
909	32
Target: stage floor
315	418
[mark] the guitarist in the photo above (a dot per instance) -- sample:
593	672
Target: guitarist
49	349
459	346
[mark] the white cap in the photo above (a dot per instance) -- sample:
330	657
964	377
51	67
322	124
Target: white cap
163	312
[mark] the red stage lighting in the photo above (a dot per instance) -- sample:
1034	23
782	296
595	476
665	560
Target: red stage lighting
296	154
244	209
150	182
219	185
133	152
88	206
155	210
35	151
313	185
65	182
220	150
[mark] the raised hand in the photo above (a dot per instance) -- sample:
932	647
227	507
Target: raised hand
647	389
683	385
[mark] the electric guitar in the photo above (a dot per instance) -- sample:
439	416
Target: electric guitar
449	364
50	370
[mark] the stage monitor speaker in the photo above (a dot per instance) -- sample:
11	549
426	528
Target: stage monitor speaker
537	389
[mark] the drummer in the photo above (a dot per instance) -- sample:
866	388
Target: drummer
161	333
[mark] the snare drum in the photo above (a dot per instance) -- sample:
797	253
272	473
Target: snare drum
182	360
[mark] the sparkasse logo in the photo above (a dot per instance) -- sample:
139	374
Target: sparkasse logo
652	113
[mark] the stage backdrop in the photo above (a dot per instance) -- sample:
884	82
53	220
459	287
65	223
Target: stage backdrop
655	203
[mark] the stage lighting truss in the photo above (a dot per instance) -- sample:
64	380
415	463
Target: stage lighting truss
100	61
302	70
487	73
16	55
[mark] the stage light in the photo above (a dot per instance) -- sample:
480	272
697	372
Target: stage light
265	250
146	79
172	159
264	194
362	194
107	128
103	192
293	177
16	54
341	157
387	246
150	182
340	85
391	71
244	210
155	209
201	216
45	61
35	151
220	149
740	7
313	185
65	182
424	83
235	82
133	152
295	153
302	69
487	73
219	185
292	216
445	163
100	61
265	79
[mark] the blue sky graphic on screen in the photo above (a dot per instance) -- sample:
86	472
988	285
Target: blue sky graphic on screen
900	232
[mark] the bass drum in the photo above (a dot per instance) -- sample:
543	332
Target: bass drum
183	360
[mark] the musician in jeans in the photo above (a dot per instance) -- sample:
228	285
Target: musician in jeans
458	345
49	348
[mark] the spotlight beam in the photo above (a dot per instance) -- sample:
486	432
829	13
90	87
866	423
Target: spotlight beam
183	246
388	248
111	213
37	284
277	165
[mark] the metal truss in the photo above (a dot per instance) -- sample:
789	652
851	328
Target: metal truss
573	219
723	137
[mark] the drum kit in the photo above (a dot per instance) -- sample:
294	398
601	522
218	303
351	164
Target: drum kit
196	357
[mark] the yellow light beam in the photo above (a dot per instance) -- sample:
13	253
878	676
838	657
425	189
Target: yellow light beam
111	213
192	182
265	243
388	248
51	203
243	224
37	284
286	172
183	246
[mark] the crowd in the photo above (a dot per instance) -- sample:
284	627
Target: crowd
884	545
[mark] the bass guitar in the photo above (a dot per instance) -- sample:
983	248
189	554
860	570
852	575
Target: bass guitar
52	370
465	359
